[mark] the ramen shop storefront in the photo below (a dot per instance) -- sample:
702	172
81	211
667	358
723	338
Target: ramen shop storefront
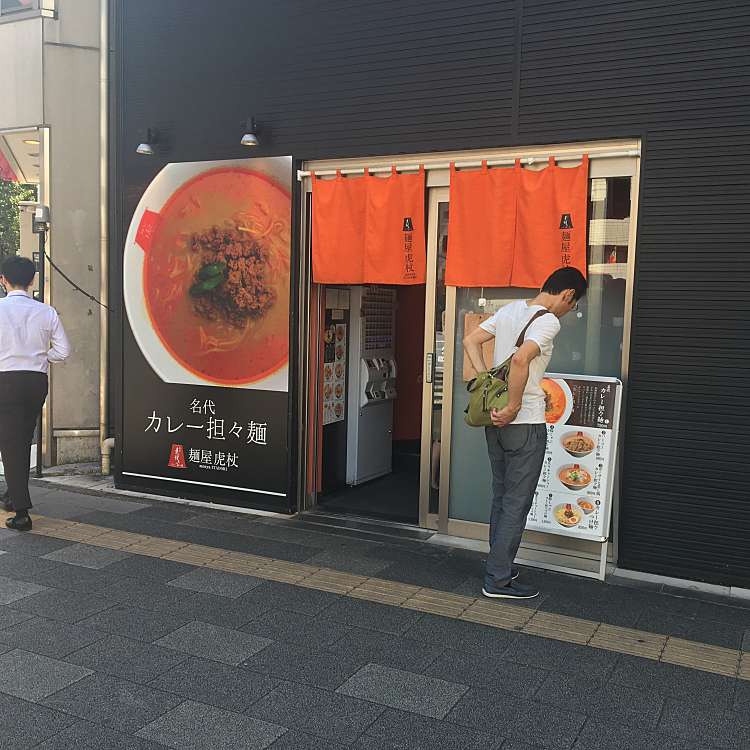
414	355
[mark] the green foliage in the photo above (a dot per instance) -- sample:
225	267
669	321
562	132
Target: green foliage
10	194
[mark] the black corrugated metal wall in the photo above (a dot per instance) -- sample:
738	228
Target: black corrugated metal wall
354	77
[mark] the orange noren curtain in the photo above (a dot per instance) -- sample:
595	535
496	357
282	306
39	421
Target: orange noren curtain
338	229
369	230
514	227
481	227
395	250
551	219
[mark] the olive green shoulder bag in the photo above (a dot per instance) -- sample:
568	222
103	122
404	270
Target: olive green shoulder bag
489	390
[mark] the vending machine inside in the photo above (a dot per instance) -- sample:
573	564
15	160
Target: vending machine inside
372	383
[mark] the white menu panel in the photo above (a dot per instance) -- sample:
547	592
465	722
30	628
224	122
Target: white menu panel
574	494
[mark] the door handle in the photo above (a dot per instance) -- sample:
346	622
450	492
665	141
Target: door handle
429	367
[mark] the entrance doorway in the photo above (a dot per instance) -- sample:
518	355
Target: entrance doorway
376	376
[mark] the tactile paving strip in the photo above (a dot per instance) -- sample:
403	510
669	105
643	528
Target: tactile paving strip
665	648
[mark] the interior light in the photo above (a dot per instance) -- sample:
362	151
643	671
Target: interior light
31	142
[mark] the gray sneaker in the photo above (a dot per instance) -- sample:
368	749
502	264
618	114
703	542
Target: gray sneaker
512	591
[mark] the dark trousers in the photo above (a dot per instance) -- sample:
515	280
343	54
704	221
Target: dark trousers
516	456
22	395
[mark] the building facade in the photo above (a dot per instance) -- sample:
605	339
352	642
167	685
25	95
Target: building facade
655	99
50	136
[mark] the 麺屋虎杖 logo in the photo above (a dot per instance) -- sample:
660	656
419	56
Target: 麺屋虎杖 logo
177	457
566	222
409	270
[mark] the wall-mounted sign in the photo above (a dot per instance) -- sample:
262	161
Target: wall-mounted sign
206	376
574	494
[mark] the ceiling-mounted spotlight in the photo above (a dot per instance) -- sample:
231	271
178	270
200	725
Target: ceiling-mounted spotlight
146	148
251	133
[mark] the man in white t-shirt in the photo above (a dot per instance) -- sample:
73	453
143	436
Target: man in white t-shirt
517	440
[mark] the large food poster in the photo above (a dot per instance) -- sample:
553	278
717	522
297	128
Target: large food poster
574	494
206	360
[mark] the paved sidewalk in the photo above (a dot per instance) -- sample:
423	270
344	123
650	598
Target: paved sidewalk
104	648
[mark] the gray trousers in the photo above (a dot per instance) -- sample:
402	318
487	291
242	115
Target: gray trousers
516	457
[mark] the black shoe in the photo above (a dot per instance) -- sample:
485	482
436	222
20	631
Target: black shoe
511	591
514	573
19	523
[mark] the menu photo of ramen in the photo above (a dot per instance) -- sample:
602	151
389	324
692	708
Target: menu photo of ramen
206	273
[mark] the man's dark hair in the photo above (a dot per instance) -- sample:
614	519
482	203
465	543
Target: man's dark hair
18	271
566	278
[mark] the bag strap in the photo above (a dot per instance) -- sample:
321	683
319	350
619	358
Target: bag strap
537	314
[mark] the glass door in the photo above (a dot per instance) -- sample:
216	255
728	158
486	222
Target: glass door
438	348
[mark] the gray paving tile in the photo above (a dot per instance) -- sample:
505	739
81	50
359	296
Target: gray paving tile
714	726
325	714
49	637
216	582
24	567
32	545
624	615
723	613
507	715
68	512
613	703
301	741
10	617
398	729
215	684
597	735
349	563
300	663
544	653
457	634
273	595
33	677
217	610
425	573
282	625
213	642
13	591
86	556
112	702
168	512
142	566
24	725
387	650
195	726
741	701
488	672
405	691
689	686
519	745
122	657
66	606
74	578
704	631
372	616
84	735
134	623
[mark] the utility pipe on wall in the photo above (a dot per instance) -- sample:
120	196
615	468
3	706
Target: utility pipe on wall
104	234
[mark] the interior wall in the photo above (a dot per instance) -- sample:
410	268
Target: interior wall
407	408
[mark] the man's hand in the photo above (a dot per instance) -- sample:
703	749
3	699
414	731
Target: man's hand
503	417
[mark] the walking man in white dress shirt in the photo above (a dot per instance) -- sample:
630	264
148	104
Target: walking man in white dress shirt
31	336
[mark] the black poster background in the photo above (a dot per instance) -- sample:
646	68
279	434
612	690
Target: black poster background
161	421
262	468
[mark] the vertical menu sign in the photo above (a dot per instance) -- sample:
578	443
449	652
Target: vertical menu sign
574	494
